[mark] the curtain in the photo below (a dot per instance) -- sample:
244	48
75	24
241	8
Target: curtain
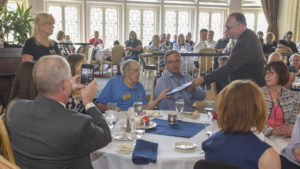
270	8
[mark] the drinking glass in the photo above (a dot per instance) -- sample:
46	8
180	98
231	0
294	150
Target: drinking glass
209	109
179	105
138	105
140	131
111	118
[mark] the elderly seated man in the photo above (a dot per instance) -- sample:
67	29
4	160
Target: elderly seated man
44	134
172	78
125	90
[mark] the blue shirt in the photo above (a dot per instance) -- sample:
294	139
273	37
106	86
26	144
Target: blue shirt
117	92
169	80
241	150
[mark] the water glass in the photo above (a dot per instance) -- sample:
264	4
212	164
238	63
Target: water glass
209	109
141	130
179	105
111	118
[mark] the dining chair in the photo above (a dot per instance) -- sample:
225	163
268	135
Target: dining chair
206	164
5	164
116	58
5	142
205	62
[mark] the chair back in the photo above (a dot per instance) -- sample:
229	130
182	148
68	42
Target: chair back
5	164
206	62
89	53
145	49
205	164
152	60
117	53
5	142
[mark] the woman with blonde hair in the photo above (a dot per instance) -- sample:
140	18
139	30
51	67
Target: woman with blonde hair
40	44
75	102
241	109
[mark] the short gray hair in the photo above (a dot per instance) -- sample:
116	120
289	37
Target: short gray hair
222	59
127	65
49	74
170	52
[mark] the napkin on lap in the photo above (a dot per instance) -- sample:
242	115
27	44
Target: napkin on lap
144	152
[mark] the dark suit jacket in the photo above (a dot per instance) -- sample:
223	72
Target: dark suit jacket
45	135
246	61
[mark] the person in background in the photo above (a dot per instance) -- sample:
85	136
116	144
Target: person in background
60	37
172	78
221	83
287	43
189	40
275	56
126	89
44	134
68	39
270	43
241	110
220	47
260	36
174	39
169	40
282	103
96	40
181	44
70	46
210	43
40	44
290	155
163	41
294	64
75	101
158	47
23	88
134	46
200	45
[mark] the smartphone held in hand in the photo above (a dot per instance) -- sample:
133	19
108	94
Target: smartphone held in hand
87	73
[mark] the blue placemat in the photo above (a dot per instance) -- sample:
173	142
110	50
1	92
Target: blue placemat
144	152
180	129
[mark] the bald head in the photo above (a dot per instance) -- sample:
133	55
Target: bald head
49	74
275	56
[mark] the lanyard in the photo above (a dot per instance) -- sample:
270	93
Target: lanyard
275	109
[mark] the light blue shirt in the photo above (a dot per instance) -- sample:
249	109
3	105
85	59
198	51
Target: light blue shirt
117	92
169	80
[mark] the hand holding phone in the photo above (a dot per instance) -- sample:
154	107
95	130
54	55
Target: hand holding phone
87	73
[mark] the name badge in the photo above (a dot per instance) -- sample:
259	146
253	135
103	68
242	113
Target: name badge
52	51
126	96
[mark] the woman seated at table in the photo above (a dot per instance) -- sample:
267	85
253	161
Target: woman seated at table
40	44
181	44
282	103
125	90
23	87
270	43
134	46
241	108
75	102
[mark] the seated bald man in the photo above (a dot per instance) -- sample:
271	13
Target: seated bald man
44	134
275	56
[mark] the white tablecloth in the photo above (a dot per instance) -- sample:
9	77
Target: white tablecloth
167	156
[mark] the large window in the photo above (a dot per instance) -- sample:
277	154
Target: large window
104	20
67	19
177	21
212	20
256	20
143	22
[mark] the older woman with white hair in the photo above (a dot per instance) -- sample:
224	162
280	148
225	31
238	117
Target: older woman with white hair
126	89
40	44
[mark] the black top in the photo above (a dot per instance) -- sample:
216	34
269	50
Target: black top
291	45
134	44
37	50
270	48
221	43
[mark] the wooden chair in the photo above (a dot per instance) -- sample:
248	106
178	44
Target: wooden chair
205	62
5	142
116	58
5	164
283	50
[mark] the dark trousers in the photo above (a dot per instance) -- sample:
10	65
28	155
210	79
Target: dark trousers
286	164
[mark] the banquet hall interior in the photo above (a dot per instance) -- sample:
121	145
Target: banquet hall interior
143	84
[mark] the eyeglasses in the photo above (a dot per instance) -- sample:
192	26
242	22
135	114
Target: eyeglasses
173	62
229	28
269	73
295	60
135	70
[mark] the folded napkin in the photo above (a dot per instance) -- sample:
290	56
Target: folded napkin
144	152
180	129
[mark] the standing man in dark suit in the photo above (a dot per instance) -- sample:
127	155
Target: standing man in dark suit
44	134
246	60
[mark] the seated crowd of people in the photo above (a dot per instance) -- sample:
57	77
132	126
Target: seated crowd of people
54	121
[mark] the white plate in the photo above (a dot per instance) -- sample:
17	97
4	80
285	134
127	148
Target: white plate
152	124
153	114
122	136
188	112
125	148
185	145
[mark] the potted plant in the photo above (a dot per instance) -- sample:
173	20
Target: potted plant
16	22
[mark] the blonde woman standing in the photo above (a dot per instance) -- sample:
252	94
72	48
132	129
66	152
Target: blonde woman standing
40	44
